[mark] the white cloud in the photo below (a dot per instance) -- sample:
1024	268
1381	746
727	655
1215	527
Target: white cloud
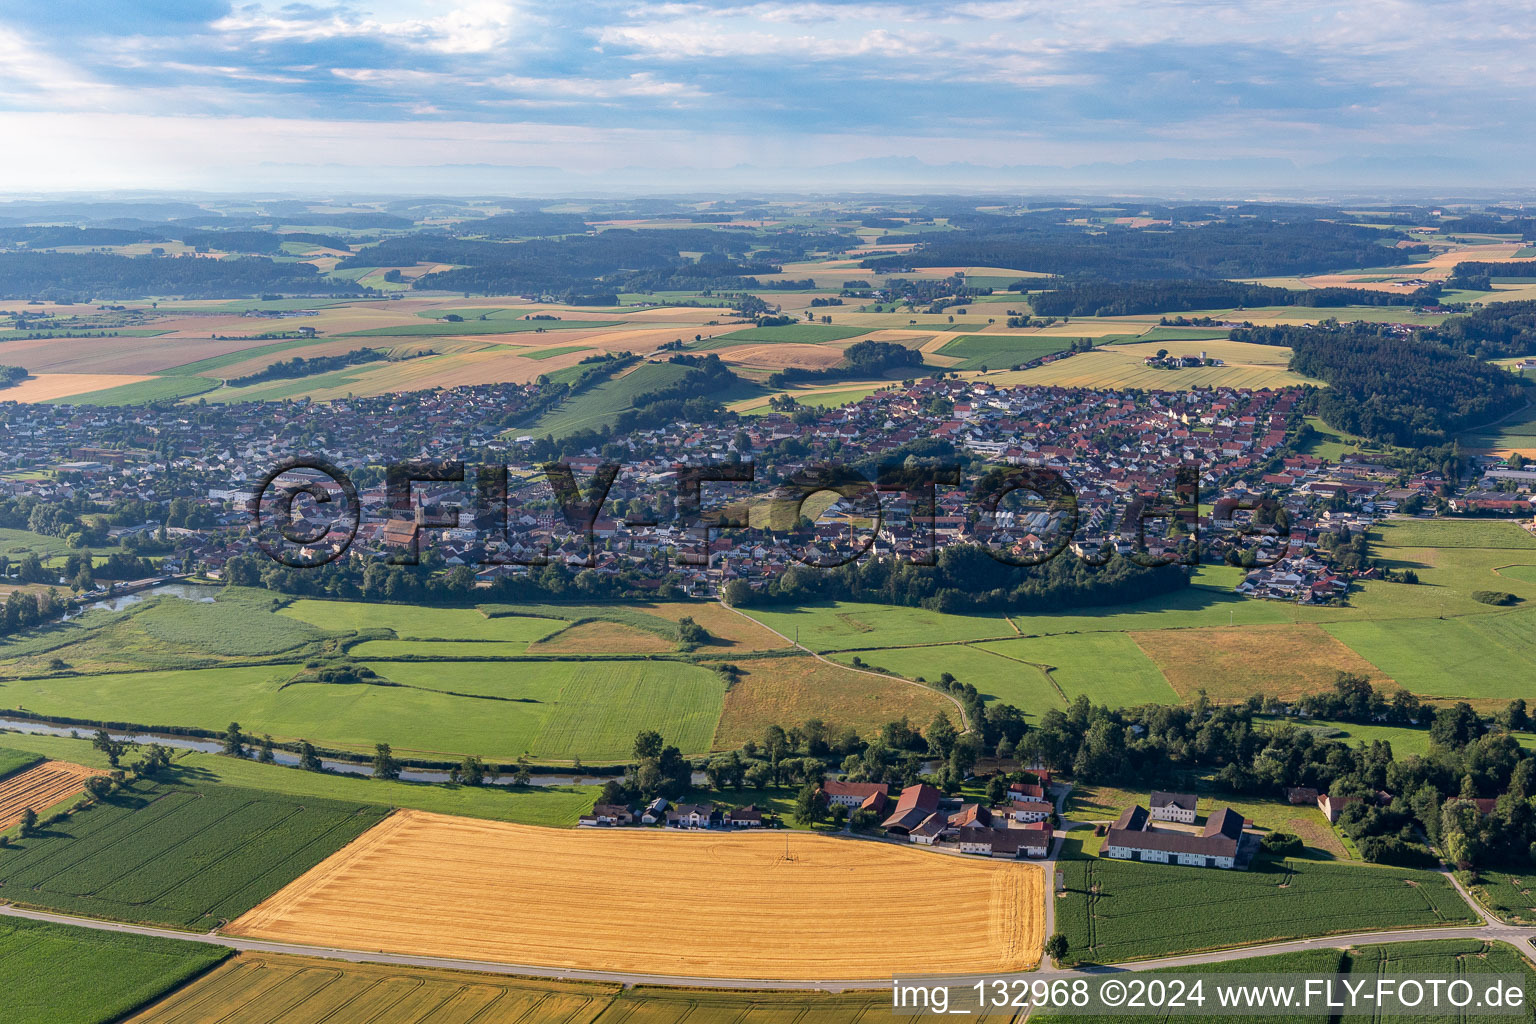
468	27
34	78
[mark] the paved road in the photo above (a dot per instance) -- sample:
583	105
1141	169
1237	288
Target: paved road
1517	937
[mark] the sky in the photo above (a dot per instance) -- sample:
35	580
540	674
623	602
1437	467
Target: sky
497	95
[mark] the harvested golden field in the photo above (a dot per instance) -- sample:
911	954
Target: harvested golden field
45	387
1232	664
125	355
601	638
1122	366
705	905
40	788
784	354
788	691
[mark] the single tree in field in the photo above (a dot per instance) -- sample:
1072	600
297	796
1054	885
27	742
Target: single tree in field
1056	946
309	760
28	822
99	786
234	740
384	764
114	749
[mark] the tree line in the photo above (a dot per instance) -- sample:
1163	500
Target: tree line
965	578
1410	391
1105	298
80	276
1230	247
299	366
1394	798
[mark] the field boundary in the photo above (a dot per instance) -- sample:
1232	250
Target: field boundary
965	724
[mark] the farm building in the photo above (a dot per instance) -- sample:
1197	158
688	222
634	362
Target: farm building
915	805
1172	807
872	795
1030	841
971	818
1133	838
1023	808
607	815
1332	805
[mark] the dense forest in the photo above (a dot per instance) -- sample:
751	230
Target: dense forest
49	237
524	225
1480	276
1407	391
82	276
966	578
1503	330
261	242
619	259
1238	247
1090	298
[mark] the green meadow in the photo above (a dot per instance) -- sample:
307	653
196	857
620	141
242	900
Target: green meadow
54	974
553	806
995	676
855	626
1108	667
601	405
1035	673
409	622
1431	637
556	710
999	351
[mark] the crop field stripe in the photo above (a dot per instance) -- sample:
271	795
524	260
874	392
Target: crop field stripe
781	926
152	858
86	848
39	788
182	856
1135	912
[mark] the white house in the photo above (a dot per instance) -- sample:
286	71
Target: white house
1173	807
1133	838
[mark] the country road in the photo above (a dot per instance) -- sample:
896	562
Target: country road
1515	936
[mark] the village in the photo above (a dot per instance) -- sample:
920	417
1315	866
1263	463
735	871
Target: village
1121	454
